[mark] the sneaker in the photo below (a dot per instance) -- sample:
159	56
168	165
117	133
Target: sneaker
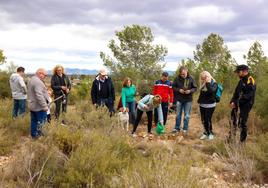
134	135
185	131
210	136
203	137
175	131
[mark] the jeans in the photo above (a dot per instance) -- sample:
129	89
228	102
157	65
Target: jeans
206	116
19	107
59	103
131	112
38	119
137	121
186	107
164	106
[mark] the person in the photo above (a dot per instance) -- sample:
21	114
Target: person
38	102
128	94
102	91
19	92
163	87
61	86
207	103
243	99
184	86
148	104
49	91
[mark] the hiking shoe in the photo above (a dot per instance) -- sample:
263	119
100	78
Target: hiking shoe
134	135
175	131
210	136
203	137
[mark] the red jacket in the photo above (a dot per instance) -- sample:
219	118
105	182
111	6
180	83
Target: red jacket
164	89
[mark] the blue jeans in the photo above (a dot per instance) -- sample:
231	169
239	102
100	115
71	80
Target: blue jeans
38	119
19	107
186	107
131	112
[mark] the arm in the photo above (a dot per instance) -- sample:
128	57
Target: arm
69	85
175	85
93	93
22	85
160	114
143	101
193	86
112	90
236	95
251	92
40	95
54	85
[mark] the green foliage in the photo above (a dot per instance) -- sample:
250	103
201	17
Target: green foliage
135	55
2	57
4	85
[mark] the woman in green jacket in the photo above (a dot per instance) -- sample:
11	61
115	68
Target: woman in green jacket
128	98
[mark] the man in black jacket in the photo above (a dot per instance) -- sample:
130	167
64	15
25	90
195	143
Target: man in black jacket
102	91
242	100
61	86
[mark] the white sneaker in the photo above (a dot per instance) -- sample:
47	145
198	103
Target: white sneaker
203	137
134	135
185	131
210	136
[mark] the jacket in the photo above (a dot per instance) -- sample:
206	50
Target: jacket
95	90
128	94
164	89
148	100
56	84
18	87
37	95
207	93
244	92
187	83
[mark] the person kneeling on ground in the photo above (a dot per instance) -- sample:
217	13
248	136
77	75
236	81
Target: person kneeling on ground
148	104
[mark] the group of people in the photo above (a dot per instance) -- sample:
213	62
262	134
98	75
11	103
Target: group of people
156	105
179	92
39	96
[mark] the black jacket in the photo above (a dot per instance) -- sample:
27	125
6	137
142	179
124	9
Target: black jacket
208	96
95	90
244	92
56	83
187	83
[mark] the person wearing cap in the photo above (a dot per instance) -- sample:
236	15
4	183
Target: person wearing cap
163	87
242	100
19	92
38	102
61	87
102	91
183	86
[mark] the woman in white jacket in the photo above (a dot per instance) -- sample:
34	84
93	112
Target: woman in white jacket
148	104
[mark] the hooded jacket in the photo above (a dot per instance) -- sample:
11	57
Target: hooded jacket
96	88
18	87
56	83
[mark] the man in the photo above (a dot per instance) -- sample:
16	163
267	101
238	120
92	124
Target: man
61	86
163	87
102	91
19	92
184	86
242	100
38	102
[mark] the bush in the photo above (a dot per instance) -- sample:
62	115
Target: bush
5	91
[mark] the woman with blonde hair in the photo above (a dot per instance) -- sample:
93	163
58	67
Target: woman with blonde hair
61	86
207	103
128	94
148	104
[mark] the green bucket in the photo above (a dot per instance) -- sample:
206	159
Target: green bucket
160	129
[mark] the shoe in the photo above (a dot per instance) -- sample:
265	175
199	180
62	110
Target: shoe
185	131
210	136
175	131
203	137
134	135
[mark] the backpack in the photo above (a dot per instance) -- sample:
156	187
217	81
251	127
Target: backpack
218	93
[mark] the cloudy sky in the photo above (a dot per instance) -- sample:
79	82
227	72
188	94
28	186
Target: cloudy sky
43	33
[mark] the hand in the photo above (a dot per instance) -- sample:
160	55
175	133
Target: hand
137	94
146	107
63	88
208	80
181	91
45	109
170	104
124	109
187	91
232	105
67	90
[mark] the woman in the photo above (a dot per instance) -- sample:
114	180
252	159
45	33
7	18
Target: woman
61	86
148	104
128	98
207	103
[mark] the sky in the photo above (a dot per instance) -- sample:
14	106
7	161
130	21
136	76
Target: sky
44	33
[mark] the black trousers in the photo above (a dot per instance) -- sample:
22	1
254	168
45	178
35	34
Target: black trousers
138	119
60	104
206	116
240	120
164	106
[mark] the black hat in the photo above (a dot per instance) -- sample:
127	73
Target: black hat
241	68
165	74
